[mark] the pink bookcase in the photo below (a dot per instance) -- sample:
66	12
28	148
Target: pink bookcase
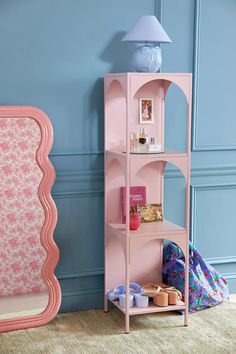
136	256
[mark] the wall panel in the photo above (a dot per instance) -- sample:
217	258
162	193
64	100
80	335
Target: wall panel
214	121
213	224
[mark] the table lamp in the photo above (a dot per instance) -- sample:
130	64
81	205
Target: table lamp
147	30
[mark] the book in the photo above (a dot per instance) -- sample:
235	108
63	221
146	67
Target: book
137	196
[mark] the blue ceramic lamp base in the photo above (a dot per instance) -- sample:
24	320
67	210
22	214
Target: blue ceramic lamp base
147	58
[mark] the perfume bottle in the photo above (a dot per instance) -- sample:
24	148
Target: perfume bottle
134	142
143	136
153	147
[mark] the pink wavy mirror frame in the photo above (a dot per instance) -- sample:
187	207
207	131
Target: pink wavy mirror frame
28	216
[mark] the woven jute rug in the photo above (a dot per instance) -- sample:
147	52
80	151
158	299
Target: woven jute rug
210	331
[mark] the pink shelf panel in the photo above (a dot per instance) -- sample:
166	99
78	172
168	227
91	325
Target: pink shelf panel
164	155
132	73
151	308
157	229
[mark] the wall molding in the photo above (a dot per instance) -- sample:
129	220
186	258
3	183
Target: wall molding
80	176
206	187
82	292
78	194
159	9
95	178
221	260
229	276
203	171
196	52
76	152
83	299
196	77
81	274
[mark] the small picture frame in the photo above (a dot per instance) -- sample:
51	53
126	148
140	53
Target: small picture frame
146	113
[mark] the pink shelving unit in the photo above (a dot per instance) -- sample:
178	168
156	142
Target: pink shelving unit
136	256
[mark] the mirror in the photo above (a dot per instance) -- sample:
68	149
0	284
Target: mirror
29	291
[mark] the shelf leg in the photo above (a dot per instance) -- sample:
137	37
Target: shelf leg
127	323
106	304
186	317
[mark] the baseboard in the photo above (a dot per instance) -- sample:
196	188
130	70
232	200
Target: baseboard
82	300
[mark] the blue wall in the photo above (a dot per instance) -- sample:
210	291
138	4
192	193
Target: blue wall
54	55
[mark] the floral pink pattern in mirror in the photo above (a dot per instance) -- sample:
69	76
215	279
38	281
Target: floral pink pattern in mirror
21	214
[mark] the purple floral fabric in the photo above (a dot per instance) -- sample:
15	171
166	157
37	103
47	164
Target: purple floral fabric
206	286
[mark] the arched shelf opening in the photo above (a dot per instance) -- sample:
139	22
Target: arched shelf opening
176	119
164	83
116	260
164	112
176	239
115	116
149	175
151	270
152	168
115	81
116	165
154	249
114	179
173	198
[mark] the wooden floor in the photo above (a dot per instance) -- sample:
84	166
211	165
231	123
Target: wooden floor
211	331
